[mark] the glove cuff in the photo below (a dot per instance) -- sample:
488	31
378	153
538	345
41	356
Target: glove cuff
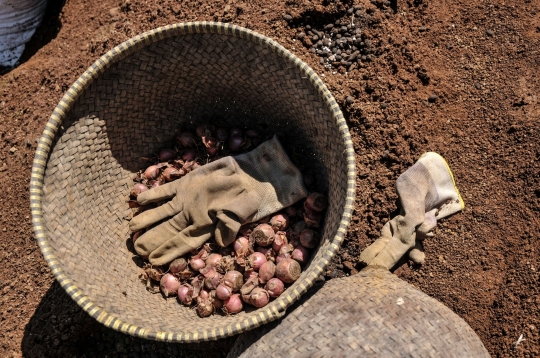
272	176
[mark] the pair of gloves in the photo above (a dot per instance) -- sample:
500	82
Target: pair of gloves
215	200
427	192
219	197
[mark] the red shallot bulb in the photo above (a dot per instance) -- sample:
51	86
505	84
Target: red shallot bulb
196	264
233	304
235	131
282	257
259	297
137	189
312	218
300	254
218	303
178	265
222	134
250	274
203	295
211	151
212	282
154	272
189	154
291	211
171	173
223	291
166	154
256	260
204	129
213	259
280	240
236	143
299	227
267	271
241	246
288	270
187	139
208	271
316	202
246	289
279	222
152	172
275	287
156	184
185	294
309	238
234	280
210	142
205	308
169	285
263	234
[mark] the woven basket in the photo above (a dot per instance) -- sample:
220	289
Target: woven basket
370	314
125	106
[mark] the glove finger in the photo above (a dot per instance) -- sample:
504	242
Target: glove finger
417	254
165	191
398	246
377	246
157	236
227	228
149	217
183	242
430	222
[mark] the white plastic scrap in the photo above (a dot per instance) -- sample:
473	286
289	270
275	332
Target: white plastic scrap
19	20
520	339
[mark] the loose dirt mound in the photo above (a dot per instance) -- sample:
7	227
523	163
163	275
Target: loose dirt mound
458	78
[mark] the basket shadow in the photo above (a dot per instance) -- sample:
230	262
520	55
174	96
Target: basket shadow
60	328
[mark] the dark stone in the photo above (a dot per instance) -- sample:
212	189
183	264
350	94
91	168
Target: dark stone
287	17
489	33
432	98
349	100
350	11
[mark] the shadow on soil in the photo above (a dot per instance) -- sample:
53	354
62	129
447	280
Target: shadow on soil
60	328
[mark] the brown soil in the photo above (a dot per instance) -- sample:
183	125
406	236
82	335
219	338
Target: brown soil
480	58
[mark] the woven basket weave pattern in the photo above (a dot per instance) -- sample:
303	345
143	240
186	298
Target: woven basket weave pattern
373	314
123	108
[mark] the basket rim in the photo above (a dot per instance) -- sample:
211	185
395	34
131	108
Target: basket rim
275	309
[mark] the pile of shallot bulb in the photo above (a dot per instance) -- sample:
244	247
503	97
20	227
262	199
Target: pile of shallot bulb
267	256
189	151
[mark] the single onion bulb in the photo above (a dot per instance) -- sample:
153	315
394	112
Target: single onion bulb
288	270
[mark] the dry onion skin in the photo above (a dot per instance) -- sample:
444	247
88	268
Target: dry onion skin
266	257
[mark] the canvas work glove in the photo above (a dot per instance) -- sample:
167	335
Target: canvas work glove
215	200
427	192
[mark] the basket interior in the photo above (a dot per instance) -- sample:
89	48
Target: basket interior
130	111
